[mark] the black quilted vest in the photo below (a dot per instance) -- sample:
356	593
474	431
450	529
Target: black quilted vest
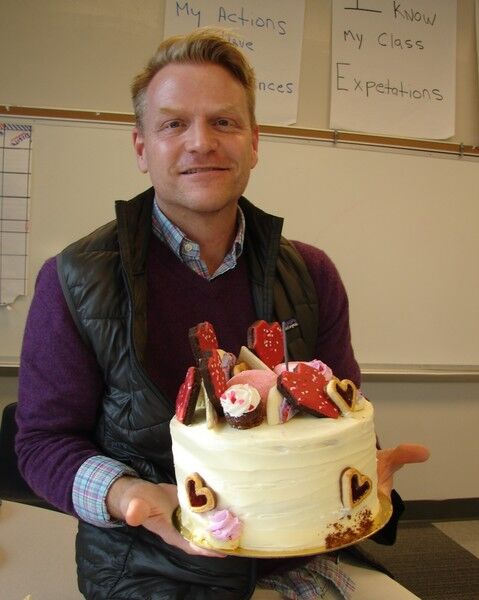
103	277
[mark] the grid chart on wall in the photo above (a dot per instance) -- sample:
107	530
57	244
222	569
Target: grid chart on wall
15	172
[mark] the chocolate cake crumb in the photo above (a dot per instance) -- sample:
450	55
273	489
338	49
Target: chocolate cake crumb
342	535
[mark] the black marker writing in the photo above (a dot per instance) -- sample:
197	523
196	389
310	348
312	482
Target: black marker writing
189	11
239	18
243	44
349	35
357	7
369	87
271	86
390	40
338	76
412	15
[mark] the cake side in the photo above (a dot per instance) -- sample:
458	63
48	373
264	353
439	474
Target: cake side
305	484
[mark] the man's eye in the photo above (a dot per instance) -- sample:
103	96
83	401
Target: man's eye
169	125
224	122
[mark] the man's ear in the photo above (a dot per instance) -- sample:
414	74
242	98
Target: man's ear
139	145
255	142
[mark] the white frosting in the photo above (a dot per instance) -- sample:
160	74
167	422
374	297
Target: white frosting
282	481
240	399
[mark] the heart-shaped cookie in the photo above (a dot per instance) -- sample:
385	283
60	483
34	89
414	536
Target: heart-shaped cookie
355	487
200	496
304	388
266	341
343	393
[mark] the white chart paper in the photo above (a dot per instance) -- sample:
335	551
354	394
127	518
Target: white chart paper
269	32
15	168
393	67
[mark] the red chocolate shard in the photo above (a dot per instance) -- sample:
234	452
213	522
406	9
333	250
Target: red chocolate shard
188	396
266	341
202	339
304	388
214	378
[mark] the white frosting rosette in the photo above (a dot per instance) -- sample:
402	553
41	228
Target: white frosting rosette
242	406
240	399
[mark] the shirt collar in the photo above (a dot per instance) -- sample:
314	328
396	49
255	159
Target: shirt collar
188	251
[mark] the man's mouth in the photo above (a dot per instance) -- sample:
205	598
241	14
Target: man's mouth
195	170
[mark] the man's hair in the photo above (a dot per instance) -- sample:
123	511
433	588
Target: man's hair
201	46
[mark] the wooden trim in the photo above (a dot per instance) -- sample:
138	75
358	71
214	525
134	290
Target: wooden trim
65	114
369	373
323	135
416	373
345	137
8	371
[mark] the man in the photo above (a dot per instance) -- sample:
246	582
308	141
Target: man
106	345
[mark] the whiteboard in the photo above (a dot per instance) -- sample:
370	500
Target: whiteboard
401	228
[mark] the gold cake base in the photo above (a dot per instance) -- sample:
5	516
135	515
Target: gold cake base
382	517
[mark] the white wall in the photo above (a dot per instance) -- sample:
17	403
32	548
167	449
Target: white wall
442	416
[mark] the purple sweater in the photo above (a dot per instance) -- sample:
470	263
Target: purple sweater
61	386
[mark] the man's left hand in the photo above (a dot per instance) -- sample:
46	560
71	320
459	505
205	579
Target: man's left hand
392	459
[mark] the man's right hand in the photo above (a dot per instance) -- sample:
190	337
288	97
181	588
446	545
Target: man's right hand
139	502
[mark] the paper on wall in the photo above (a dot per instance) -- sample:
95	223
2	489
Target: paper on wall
15	168
393	67
270	33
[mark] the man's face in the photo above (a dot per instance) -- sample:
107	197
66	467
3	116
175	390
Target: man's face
197	142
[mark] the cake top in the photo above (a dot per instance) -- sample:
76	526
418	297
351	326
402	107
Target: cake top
260	385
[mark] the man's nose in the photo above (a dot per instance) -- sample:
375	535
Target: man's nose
201	137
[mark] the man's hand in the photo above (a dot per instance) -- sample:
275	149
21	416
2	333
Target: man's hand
139	502
392	459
